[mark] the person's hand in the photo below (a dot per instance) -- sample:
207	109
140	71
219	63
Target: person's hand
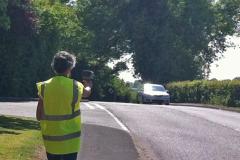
87	83
87	88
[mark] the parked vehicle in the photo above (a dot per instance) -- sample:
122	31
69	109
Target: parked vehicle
153	93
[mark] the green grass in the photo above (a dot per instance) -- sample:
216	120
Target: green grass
20	138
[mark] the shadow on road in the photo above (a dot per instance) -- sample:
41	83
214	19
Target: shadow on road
101	142
17	124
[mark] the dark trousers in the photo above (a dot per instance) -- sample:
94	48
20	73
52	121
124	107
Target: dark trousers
71	156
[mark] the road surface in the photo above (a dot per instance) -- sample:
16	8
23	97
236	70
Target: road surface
120	131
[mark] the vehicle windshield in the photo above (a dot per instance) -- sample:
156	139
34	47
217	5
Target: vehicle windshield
158	88
149	87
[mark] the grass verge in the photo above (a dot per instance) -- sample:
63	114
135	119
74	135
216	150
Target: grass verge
20	138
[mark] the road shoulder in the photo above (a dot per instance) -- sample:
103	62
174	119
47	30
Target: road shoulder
232	109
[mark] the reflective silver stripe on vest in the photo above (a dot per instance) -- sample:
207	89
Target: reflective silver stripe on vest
61	117
75	95
62	138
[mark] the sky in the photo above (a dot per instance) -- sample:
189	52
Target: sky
228	67
127	75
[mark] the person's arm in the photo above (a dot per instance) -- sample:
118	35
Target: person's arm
39	111
87	88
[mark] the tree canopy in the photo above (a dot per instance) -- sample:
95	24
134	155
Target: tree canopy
33	31
170	40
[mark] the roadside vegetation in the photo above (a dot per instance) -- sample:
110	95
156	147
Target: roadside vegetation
223	93
168	40
20	138
123	91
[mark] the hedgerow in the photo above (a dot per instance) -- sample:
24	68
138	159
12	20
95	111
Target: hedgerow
226	92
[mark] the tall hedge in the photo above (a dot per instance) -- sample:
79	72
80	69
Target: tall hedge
226	92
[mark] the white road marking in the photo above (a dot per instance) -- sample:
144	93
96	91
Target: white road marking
89	106
122	104
114	117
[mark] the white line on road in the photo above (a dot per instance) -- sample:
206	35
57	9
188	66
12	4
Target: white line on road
114	117
89	106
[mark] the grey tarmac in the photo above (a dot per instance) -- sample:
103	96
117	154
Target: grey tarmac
156	132
182	133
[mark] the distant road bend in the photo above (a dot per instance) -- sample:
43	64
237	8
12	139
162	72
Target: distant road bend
122	131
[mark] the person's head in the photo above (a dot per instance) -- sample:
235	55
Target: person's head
63	62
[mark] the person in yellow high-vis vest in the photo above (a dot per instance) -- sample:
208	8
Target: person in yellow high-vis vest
58	109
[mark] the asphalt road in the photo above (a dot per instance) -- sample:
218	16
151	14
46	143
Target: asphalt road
118	131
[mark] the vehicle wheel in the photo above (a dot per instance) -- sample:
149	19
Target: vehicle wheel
167	103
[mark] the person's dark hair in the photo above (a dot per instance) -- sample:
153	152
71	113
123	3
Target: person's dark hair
63	61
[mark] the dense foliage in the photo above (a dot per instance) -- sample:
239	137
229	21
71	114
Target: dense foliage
4	19
226	93
19	48
107	86
32	31
169	40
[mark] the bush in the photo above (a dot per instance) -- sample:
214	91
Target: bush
215	92
122	92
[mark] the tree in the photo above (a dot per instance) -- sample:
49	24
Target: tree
170	40
4	19
17	44
101	19
33	31
178	40
61	24
36	30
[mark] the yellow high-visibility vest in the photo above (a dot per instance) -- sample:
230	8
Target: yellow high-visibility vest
61	120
